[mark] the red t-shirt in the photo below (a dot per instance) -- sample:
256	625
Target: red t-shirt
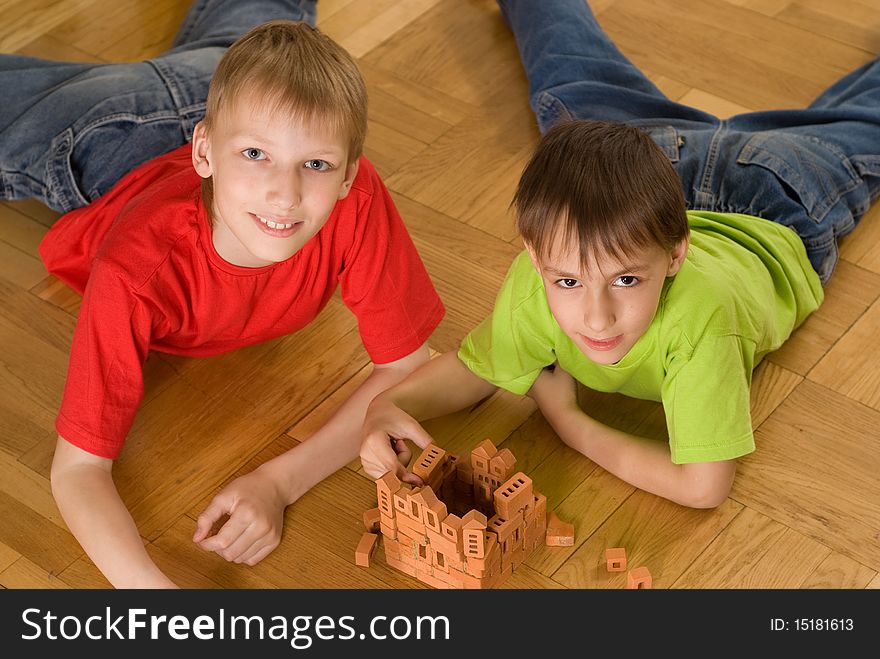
143	256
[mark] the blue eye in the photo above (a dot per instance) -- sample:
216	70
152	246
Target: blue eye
317	165
254	154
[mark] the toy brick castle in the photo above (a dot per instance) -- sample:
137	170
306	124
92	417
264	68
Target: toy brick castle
487	520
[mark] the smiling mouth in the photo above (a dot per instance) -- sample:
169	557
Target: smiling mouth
276	226
602	344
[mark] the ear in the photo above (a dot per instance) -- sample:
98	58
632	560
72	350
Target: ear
201	151
350	173
677	256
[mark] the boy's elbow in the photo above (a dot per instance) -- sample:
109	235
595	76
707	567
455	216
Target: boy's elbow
70	462
708	485
706	500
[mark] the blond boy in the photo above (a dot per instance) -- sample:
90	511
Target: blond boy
240	237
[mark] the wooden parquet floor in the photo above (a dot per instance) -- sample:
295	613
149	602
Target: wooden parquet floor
450	129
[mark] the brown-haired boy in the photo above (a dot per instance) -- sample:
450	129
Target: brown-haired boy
240	237
621	288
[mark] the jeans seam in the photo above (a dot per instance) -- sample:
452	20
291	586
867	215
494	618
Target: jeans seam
170	84
711	161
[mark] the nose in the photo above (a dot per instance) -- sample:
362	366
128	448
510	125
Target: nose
285	188
599	313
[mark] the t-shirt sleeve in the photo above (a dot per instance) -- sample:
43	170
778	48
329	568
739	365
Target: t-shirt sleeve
511	346
104	384
706	400
385	283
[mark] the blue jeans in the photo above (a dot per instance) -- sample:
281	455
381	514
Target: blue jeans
69	131
816	170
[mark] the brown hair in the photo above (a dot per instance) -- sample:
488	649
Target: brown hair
607	186
295	69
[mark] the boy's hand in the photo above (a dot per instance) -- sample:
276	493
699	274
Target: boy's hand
255	509
383	448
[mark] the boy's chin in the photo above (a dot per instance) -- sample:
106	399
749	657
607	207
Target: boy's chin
602	359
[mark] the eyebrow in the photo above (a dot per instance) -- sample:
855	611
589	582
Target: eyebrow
628	268
262	140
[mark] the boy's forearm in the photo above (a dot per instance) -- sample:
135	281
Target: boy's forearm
97	517
423	386
442	386
642	462
338	441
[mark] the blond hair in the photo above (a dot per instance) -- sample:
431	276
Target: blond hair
294	68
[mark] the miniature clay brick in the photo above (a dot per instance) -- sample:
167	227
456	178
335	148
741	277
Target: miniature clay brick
481	455
504	528
514	495
474	543
429	462
365	549
638	578
501	464
417	499
372	519
398	564
615	559
559	533
434	515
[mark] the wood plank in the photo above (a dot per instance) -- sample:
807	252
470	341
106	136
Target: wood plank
483	62
777	65
8	556
449	176
26	574
815	471
23	484
34	210
419	111
588	507
753	551
20	231
852	366
97	26
19	268
771	385
661	535
381	26
38	540
862	246
58	293
847	21
838	571
25	21
721	107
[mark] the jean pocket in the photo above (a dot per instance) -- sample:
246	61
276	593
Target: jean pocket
62	189
816	173
666	137
109	147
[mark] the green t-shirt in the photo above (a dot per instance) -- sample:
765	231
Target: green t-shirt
745	285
